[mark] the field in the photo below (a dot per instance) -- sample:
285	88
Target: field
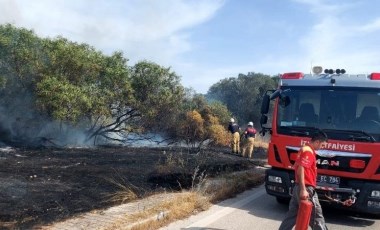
40	186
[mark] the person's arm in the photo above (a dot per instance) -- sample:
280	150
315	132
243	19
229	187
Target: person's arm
301	181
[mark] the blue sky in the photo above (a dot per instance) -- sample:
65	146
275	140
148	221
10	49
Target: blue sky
205	41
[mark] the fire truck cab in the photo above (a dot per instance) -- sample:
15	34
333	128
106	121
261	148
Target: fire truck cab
344	106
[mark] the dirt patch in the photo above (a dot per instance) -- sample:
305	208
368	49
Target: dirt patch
38	187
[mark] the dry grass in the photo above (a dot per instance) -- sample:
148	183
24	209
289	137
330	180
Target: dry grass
201	195
125	191
232	184
191	202
8	225
170	162
183	205
127	194
261	142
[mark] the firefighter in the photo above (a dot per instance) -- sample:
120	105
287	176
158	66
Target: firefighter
249	134
305	169
234	129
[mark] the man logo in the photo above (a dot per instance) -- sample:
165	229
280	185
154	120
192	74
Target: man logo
328	162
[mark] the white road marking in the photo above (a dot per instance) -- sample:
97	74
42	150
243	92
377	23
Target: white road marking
225	211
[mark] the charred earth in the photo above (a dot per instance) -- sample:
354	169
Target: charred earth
40	186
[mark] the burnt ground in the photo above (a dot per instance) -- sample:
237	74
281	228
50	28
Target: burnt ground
41	186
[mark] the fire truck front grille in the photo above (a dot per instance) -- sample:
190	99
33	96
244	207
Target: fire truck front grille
347	162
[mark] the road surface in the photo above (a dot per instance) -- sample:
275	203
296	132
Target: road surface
254	209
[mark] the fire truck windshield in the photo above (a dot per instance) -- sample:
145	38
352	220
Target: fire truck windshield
343	113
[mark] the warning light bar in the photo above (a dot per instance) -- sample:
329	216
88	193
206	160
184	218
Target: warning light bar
295	75
375	76
337	71
340	71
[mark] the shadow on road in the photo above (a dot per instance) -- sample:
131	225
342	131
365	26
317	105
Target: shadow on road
266	207
332	215
347	218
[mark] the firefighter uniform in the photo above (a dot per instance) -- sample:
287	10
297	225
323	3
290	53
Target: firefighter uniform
235	139
249	143
307	159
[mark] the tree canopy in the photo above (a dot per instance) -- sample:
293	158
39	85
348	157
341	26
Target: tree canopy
75	85
50	87
243	95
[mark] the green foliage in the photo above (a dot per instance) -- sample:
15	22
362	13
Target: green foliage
63	81
59	80
21	56
77	85
242	95
21	60
158	94
221	111
62	100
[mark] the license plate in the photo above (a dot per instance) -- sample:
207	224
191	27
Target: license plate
328	180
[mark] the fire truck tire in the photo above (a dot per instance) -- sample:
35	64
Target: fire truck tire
282	200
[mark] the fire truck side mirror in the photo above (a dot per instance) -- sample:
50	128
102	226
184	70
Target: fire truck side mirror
265	104
263	119
275	94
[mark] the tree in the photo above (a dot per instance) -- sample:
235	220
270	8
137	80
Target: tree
158	95
200	124
61	100
63	85
21	59
80	86
221	111
242	95
58	80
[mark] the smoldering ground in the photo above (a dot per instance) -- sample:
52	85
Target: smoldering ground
41	186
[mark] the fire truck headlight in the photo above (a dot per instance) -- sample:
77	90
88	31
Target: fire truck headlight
275	179
375	193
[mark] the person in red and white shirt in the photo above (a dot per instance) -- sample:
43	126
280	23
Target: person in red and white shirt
305	170
249	143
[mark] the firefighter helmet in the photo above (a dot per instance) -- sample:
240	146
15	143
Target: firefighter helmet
250	123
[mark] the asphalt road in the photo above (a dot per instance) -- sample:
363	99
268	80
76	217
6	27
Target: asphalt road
254	209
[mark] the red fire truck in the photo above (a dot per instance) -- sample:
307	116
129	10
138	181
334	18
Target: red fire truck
345	107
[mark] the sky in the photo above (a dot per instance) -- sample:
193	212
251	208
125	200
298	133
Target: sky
205	41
